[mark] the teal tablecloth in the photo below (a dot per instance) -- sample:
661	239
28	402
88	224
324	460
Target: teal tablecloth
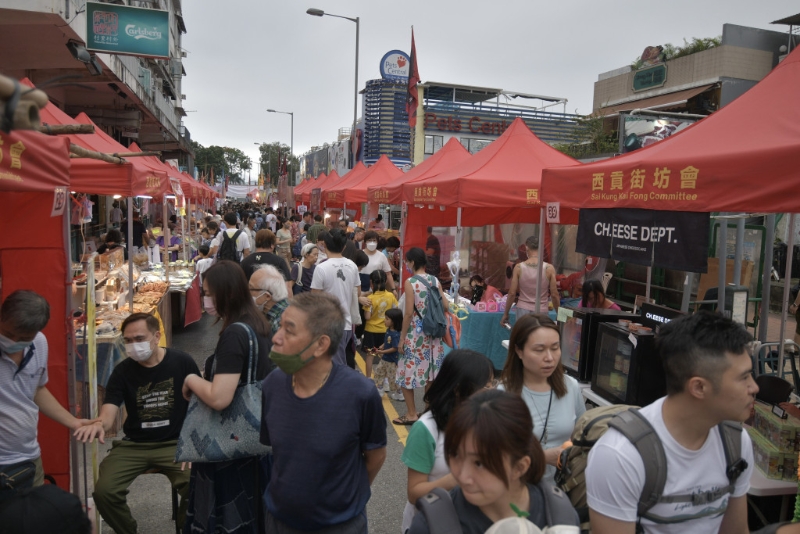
482	332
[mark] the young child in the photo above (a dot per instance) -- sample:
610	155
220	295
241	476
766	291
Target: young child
375	306
387	366
202	261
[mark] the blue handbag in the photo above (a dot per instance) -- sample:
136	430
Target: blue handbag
209	435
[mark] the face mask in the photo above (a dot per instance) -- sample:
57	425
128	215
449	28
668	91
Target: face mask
255	301
208	304
372	245
8	346
408	269
139	352
290	363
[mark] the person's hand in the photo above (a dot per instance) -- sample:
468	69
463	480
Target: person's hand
551	455
504	321
89	431
80	423
187	392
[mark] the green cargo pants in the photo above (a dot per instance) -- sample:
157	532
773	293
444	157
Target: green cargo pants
126	461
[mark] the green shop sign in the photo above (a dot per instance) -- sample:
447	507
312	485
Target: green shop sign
650	77
134	31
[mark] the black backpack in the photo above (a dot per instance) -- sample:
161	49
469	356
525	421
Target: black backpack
434	323
227	250
442	518
630	423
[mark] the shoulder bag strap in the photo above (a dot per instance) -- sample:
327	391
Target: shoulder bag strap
251	359
642	435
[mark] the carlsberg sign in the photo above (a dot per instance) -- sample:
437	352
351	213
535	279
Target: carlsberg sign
135	31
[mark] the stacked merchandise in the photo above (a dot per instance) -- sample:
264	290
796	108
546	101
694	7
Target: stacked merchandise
776	443
386	128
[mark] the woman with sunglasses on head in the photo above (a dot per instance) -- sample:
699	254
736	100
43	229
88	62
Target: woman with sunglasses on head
463	373
498	465
226	496
533	371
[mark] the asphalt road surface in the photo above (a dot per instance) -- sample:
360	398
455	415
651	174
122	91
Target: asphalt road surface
149	496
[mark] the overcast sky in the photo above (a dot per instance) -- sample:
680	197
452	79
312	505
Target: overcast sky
245	56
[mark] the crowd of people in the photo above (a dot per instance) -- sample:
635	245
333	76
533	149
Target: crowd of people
492	441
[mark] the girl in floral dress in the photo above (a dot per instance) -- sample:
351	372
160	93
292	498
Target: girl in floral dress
421	355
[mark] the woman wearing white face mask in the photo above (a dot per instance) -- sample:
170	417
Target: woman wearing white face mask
228	493
377	260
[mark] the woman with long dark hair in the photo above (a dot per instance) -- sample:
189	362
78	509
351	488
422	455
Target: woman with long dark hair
226	496
498	465
421	355
594	296
533	371
463	373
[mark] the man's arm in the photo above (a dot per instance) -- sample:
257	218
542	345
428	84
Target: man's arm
99	428
735	519
49	406
374	459
605	525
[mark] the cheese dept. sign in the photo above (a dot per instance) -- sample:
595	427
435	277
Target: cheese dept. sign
670	239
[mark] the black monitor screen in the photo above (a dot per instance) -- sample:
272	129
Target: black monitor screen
653	315
614	363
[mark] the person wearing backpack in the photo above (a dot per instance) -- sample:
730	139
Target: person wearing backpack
497	462
230	244
422	353
709	459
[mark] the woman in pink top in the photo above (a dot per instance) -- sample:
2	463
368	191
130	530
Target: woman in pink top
526	279
595	297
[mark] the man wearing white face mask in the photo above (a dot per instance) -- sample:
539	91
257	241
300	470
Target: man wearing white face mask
149	382
269	293
23	390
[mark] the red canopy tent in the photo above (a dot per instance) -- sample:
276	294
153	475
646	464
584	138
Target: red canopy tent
98	177
32	167
329	196
321	184
354	190
451	154
302	193
498	185
744	157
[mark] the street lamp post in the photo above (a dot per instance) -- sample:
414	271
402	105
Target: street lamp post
319	13
291	141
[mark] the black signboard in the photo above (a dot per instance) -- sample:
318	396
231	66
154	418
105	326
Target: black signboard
669	239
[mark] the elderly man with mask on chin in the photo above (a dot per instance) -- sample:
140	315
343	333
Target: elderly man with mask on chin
269	293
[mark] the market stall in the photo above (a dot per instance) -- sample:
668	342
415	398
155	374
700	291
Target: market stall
354	192
497	186
335	181
743	158
34	181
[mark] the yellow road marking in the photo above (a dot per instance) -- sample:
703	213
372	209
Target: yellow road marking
400	430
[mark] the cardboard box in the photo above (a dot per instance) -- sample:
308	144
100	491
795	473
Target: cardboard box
768	459
782	433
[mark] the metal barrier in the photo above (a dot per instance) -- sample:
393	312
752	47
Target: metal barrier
763	353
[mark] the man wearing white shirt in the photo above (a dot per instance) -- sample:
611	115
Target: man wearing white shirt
242	242
708	372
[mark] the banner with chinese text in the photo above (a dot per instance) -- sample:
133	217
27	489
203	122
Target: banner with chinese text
668	239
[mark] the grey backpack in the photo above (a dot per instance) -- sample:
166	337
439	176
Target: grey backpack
442	518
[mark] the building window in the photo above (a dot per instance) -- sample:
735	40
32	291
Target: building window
433	143
474	145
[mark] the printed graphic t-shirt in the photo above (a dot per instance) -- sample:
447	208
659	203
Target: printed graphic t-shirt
152	396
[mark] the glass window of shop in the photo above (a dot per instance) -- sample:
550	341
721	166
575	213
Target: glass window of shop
474	145
433	143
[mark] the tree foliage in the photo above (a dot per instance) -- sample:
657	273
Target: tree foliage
272	155
590	138
670	51
221	161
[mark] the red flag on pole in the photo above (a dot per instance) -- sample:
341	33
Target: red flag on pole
413	79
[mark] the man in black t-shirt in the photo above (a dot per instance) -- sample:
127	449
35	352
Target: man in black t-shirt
433	253
265	247
149	382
